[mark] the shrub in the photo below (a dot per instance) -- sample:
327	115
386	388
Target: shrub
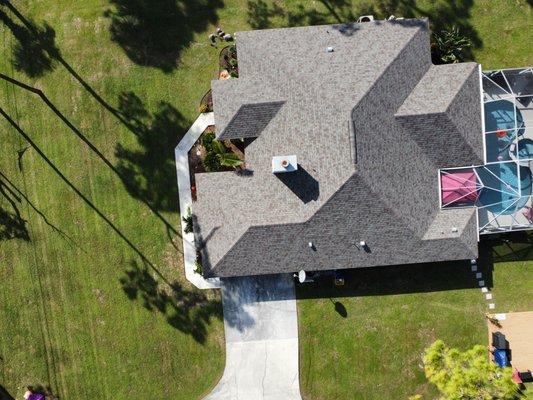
233	51
188	221
211	162
198	267
217	155
207	141
449	47
203	108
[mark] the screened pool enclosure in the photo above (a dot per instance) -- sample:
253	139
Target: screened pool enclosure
500	189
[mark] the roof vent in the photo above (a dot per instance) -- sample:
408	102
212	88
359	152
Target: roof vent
329	49
365	18
281	164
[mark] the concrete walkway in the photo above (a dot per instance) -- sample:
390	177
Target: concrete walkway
261	340
184	188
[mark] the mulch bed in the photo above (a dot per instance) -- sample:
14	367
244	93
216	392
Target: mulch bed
226	54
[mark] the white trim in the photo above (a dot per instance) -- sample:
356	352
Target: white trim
463	167
477	224
520	69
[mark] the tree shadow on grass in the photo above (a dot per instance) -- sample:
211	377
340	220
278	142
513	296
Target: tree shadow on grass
34	51
126	178
81	196
149	171
153	33
188	311
12	225
442	14
43	54
7	187
260	13
4	394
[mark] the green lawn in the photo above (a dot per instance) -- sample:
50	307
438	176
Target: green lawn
370	346
365	340
513	277
83	309
372	350
93	302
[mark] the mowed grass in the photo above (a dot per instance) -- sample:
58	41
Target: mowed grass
82	308
513	282
513	276
365	340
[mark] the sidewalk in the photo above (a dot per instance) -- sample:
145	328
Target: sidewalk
184	188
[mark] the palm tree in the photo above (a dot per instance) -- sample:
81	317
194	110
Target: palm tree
225	157
448	46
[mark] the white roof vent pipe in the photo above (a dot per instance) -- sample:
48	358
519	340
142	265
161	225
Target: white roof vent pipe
365	18
282	164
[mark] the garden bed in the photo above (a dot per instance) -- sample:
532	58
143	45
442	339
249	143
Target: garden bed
228	61
200	152
227	68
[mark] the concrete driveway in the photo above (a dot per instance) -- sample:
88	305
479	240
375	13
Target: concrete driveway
261	340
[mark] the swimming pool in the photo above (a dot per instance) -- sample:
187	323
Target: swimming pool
500	115
525	149
502	192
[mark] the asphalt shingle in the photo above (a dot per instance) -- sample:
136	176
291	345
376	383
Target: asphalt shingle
370	132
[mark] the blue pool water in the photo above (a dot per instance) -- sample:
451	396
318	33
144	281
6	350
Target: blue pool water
500	197
525	149
500	114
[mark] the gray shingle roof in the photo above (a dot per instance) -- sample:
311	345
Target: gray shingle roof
250	120
370	132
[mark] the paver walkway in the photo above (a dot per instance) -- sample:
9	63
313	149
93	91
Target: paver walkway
261	340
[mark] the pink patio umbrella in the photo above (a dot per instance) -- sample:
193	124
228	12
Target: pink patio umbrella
459	187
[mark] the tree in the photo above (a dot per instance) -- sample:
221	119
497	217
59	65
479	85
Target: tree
468	375
449	46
